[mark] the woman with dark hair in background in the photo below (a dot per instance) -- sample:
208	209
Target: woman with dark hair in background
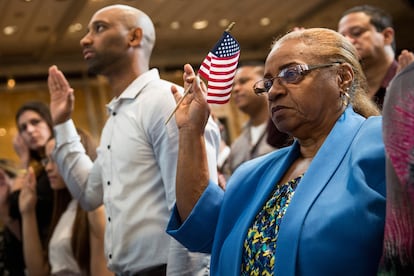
34	126
75	244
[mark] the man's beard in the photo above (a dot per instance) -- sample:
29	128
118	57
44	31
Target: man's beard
95	68
99	65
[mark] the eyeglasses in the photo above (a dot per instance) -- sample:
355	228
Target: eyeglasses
289	75
33	122
46	160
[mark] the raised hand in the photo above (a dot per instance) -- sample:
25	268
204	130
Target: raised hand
194	110
22	150
28	197
404	59
62	98
192	165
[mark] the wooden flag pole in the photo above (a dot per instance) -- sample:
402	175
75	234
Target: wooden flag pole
197	79
231	25
228	29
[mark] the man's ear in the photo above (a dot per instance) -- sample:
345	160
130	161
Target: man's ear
135	37
388	34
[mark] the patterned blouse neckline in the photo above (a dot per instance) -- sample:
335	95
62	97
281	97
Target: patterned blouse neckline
259	247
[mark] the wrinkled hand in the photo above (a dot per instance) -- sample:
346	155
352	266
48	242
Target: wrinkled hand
404	59
22	150
194	110
28	197
62	99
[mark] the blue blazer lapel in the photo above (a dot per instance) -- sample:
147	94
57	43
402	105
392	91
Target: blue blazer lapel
315	179
277	166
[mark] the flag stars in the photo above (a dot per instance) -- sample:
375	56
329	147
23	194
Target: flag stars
227	47
219	67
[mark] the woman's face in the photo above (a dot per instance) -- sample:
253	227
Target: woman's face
33	129
55	179
309	106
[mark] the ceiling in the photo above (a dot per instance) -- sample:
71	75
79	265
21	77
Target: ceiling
42	37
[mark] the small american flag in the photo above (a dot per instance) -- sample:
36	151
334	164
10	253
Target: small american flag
219	68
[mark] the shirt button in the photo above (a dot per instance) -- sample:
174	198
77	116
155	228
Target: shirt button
109	183
108	146
110	256
109	219
113	113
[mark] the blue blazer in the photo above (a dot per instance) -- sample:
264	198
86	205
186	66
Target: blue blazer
334	224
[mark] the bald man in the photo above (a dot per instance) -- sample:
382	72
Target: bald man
134	173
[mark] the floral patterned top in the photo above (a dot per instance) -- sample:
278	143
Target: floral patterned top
260	245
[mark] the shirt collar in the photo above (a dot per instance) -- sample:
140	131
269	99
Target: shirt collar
134	88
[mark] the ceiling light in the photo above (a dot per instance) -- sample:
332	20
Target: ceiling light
75	28
200	24
265	21
9	30
175	25
11	83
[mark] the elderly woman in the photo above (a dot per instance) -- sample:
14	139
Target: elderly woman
314	208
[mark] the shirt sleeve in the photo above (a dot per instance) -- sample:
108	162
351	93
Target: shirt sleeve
81	175
212	142
198	230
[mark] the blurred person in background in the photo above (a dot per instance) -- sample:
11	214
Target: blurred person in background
252	142
370	29
8	265
76	239
34	125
